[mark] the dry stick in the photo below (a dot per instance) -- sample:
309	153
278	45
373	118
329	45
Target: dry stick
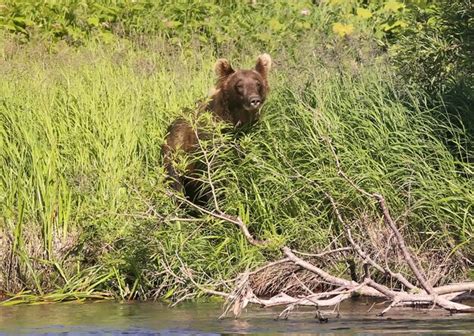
341	172
381	288
284	299
302	284
314	299
389	221
361	253
240	296
406	299
368	288
442	302
208	165
426	299
189	276
452	306
309	301
356	246
324	275
218	213
323	254
453	288
394	303
221	215
401	244
328	277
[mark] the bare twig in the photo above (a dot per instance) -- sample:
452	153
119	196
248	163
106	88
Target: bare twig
357	248
341	172
328	277
209	176
402	298
325	253
188	274
221	215
364	255
389	221
302	284
401	244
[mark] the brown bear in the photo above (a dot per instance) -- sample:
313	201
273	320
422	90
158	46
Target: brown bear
237	99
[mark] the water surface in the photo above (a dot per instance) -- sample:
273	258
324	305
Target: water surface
112	318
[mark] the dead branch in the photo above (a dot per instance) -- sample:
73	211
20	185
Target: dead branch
401	244
388	220
188	274
325	253
240	296
454	288
342	289
400	298
283	299
318	271
365	257
221	215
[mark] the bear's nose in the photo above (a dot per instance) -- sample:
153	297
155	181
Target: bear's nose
255	101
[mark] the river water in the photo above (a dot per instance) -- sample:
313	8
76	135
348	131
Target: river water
112	318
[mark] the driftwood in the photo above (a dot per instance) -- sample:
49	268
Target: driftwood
420	294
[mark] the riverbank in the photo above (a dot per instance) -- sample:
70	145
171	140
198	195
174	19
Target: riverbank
86	212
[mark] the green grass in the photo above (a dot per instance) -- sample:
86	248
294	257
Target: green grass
82	201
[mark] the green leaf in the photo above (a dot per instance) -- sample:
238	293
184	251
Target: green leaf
364	13
275	25
93	21
393	5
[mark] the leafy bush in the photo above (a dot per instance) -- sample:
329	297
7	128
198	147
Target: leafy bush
435	53
435	49
218	23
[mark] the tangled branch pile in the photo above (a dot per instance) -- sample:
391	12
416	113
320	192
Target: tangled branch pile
402	293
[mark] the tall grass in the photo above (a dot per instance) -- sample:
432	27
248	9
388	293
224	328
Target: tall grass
82	184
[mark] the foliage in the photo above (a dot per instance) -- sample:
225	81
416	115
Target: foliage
89	87
435	53
270	24
218	23
381	19
83	184
438	45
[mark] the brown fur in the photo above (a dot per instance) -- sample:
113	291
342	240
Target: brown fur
236	100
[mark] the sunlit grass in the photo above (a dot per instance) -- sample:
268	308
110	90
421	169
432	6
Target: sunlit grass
82	185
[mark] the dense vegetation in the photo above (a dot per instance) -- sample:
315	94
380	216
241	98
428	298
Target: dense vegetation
89	87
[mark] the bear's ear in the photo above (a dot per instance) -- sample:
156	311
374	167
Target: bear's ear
223	69
264	64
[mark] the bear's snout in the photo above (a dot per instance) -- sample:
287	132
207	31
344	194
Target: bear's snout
255	101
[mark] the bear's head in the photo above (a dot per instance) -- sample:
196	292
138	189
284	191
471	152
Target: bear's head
244	90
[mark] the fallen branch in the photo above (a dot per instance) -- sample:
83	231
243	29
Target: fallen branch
336	281
365	257
221	215
341	289
401	244
325	253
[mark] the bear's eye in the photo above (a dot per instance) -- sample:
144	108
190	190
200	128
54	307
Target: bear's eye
259	85
239	87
